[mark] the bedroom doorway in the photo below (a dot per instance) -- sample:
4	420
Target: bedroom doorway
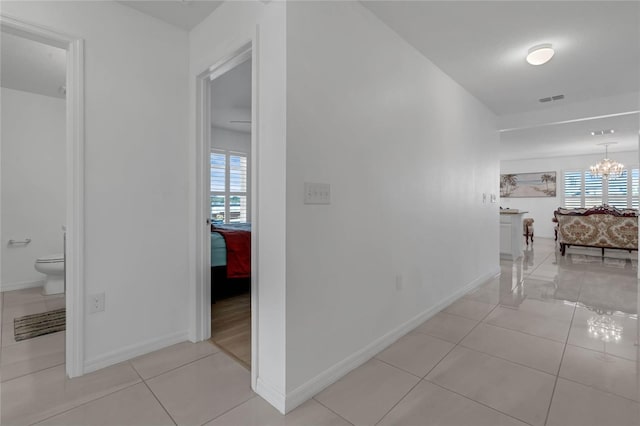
226	189
230	212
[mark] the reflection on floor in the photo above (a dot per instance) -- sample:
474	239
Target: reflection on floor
231	326
552	341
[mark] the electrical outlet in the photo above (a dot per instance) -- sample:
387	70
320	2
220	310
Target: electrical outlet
96	303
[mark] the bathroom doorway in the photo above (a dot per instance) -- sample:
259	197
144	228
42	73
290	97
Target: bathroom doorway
41	203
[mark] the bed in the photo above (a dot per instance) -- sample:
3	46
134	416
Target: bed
230	259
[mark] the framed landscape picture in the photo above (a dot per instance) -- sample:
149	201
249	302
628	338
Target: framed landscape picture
525	185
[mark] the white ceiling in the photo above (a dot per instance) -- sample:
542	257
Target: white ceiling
231	99
570	138
32	66
482	45
182	14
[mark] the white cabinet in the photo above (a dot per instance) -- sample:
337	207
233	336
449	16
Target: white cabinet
511	234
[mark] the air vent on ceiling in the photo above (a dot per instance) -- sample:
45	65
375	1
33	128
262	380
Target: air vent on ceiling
552	98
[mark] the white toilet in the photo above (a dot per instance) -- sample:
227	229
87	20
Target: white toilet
53	267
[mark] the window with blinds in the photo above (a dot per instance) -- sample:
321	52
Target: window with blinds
229	187
617	193
581	189
592	190
573	190
635	174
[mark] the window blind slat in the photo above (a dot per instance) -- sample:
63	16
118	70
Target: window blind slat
617	191
572	189
635	174
229	185
218	171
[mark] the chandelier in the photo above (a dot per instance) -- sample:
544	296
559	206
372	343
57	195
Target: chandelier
607	169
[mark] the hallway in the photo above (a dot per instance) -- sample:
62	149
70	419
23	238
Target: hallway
553	340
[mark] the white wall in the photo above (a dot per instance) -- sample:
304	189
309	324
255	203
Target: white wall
230	140
541	209
33	169
230	27
135	172
408	154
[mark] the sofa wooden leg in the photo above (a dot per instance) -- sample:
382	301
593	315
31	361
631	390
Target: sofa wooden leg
563	247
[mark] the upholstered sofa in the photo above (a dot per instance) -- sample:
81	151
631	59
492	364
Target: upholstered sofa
602	227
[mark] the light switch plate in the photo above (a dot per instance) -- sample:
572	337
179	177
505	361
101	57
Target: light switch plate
317	193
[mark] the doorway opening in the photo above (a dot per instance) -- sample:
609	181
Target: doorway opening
230	198
43	194
227	146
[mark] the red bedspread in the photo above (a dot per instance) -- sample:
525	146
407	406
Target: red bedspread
238	244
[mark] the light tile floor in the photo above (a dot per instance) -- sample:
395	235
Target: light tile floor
518	350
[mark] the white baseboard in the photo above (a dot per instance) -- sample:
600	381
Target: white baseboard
312	387
21	285
133	351
271	395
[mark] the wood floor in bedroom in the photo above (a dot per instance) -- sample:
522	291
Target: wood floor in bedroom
231	327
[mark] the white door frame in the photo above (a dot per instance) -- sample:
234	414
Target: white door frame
74	263
203	208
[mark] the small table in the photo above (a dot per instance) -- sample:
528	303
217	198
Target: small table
511	233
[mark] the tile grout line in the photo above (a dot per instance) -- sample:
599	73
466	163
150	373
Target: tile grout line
184	365
469	318
84	403
601	352
30	372
564	349
319	402
399	368
508	360
488	354
459	343
230	355
473	400
399	401
592	350
540	264
255	395
455	345
37	372
159	402
523	332
601	390
174	368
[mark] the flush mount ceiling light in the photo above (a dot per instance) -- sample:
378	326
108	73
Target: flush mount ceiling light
540	54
